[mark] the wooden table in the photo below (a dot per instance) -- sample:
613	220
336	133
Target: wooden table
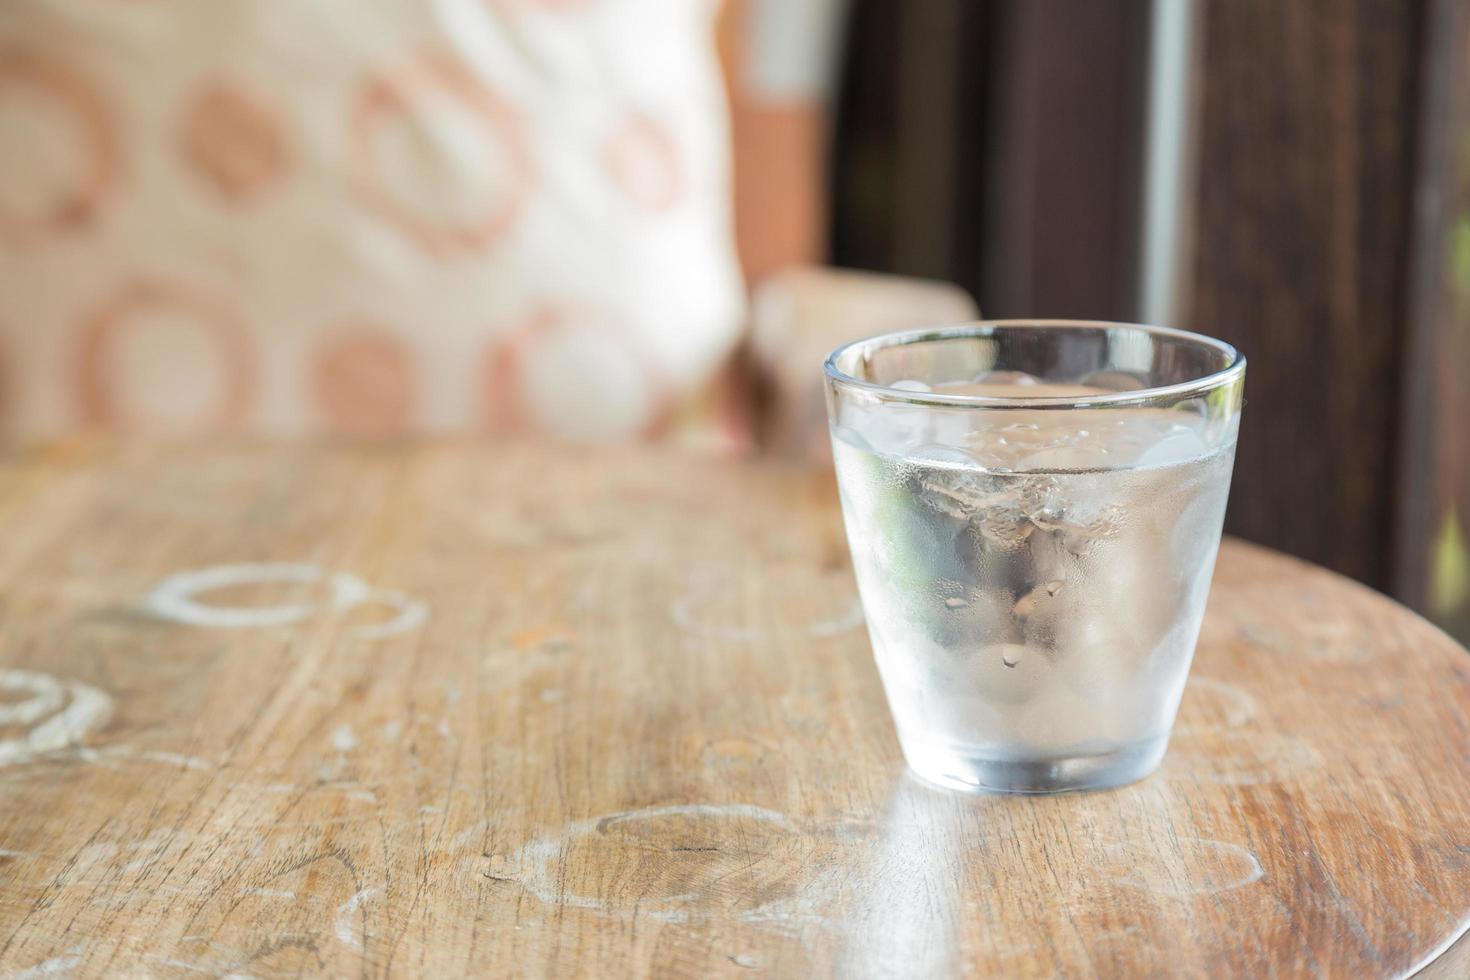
450	709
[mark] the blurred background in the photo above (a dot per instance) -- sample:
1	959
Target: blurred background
1293	177
614	219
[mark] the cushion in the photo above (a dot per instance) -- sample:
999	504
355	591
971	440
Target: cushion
362	216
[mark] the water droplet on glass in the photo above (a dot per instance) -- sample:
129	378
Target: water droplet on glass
956	602
1010	659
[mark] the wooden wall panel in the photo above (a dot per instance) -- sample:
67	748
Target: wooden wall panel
1303	201
1433	553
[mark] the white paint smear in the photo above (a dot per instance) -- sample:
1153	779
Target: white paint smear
173	759
46	697
146	755
50	968
343	740
224	973
186	966
86	710
347	931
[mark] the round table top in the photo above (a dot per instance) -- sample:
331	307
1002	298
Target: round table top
449	709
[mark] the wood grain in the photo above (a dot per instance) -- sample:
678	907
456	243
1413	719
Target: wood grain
633	728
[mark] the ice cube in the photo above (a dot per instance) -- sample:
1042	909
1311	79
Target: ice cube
1006	378
1065	458
938	454
890	428
1180	444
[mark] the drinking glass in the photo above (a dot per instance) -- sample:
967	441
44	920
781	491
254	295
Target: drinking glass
1033	509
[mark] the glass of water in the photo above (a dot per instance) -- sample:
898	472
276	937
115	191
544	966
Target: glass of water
1034	508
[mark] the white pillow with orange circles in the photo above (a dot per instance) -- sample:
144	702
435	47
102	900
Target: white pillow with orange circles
366	216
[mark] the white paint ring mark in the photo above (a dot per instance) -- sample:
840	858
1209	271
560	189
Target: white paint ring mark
682	614
532	860
1239	706
176	598
681	611
46	697
347	932
412	613
689	810
1240	757
173	598
1239	865
837	625
89	709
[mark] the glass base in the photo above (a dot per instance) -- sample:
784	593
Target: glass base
1060	774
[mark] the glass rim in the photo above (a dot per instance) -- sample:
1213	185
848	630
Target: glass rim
1234	368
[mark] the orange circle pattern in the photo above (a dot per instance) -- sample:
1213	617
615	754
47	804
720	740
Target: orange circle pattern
232	140
504	395
363	378
47	76
642	159
393	94
100	404
363	384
